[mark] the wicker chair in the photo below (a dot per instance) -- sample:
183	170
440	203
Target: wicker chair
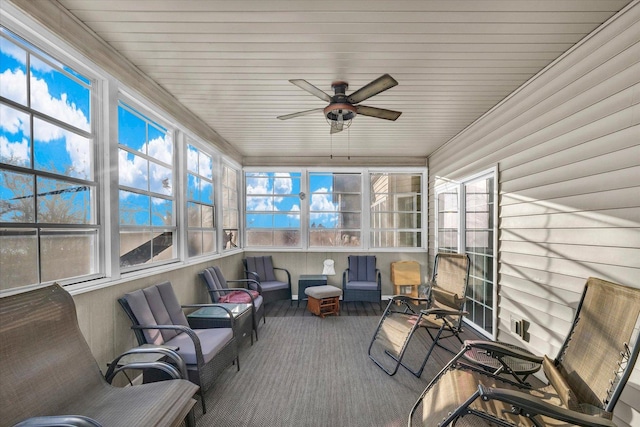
362	281
261	270
218	288
48	375
158	319
442	317
585	379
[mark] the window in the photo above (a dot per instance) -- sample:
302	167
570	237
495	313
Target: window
472	232
146	196
200	207
396	201
335	209
49	227
280	214
448	219
272	209
230	209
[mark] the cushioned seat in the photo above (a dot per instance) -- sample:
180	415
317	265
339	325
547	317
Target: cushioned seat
158	318
219	291
362	281
261	270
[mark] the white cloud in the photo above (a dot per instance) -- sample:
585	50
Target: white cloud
13	85
132	172
60	108
18	152
161	149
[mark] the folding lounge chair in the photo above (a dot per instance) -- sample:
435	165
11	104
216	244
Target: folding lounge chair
585	379
442	317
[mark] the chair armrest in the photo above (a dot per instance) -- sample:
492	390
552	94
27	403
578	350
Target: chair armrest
405	298
497	349
194	337
178	373
59	421
286	271
532	406
441	312
247	281
344	277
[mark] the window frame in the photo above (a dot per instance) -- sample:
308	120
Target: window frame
155	117
365	228
462	232
62	59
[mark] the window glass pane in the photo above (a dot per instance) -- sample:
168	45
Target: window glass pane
133	170
161	212
134	208
132	130
194	242
396	200
162	246
206	191
15	136
160	144
17	201
192	159
200	206
13	71
68	253
160	179
135	247
56	94
334	206
207	216
194	215
62	202
60	151
18	257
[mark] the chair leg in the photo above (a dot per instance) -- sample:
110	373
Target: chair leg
204	407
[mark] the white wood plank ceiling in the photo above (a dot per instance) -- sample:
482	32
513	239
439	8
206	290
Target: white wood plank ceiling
230	61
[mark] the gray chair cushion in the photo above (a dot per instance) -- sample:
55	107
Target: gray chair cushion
362	268
273	285
360	285
263	266
211	340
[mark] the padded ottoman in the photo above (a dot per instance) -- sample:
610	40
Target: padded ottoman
323	300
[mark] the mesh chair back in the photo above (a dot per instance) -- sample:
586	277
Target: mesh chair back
28	320
362	268
263	266
156	305
607	318
450	277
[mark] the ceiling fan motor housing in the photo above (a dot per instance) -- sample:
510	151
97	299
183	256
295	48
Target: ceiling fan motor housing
340	109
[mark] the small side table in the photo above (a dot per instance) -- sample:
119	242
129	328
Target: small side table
520	369
307	280
217	317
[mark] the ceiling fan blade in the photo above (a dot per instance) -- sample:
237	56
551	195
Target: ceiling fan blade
337	128
380	113
303	84
299	113
380	84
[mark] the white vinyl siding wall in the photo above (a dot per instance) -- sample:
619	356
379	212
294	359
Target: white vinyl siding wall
567	147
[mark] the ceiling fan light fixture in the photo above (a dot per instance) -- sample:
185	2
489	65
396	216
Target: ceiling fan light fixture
340	115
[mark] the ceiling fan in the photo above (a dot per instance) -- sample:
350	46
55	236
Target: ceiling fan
342	108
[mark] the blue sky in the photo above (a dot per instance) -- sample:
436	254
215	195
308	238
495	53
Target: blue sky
53	148
272	198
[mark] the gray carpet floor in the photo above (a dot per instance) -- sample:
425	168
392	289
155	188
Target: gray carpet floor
308	371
